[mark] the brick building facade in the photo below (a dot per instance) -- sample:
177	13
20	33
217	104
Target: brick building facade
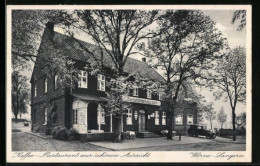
81	108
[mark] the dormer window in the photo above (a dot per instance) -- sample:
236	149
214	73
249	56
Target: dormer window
149	93
135	91
83	79
101	83
45	85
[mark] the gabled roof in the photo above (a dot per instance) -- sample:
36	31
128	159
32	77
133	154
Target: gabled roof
73	50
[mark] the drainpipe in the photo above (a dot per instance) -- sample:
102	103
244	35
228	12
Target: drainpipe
99	116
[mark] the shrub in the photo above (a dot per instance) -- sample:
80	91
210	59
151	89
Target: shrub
54	131
62	133
73	134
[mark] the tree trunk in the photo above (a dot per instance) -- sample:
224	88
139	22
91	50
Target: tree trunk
222	125
20	116
118	130
210	124
234	123
169	135
15	115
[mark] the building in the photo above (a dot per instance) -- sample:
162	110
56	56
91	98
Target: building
81	108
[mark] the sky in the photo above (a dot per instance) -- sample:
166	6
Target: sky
234	38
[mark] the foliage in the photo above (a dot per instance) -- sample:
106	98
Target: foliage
241	120
55	130
62	133
230	79
209	113
27	29
239	15
221	117
73	134
115	32
52	60
20	87
187	44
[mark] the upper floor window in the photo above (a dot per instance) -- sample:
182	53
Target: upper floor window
56	81
35	90
156	117
160	95
149	93
163	118
179	119
135	91
45	115
83	79
101	82
45	85
189	119
101	115
129	117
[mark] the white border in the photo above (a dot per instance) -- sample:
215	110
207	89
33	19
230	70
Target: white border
163	156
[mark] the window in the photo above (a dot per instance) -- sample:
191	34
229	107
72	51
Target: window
45	115
189	119
149	93
135	91
75	117
129	117
101	115
83	79
45	85
77	107
160	94
163	118
156	117
56	81
101	82
35	90
179	119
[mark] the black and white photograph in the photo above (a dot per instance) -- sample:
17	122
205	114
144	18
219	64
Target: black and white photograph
130	83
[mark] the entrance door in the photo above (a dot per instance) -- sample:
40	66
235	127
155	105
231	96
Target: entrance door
141	123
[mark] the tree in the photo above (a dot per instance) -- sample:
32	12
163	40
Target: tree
20	90
209	113
27	29
239	15
187	44
241	120
115	33
230	79
221	117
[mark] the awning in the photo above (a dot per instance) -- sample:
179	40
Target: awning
87	97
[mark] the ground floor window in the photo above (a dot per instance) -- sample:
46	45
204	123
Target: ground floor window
129	117
75	117
179	119
163	118
156	117
189	119
101	115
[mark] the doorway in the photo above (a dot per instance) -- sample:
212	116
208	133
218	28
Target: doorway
141	121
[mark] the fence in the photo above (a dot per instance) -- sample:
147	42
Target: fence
229	132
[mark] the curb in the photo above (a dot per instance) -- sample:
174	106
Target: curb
37	135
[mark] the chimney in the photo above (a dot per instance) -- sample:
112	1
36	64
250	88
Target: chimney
50	27
144	59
